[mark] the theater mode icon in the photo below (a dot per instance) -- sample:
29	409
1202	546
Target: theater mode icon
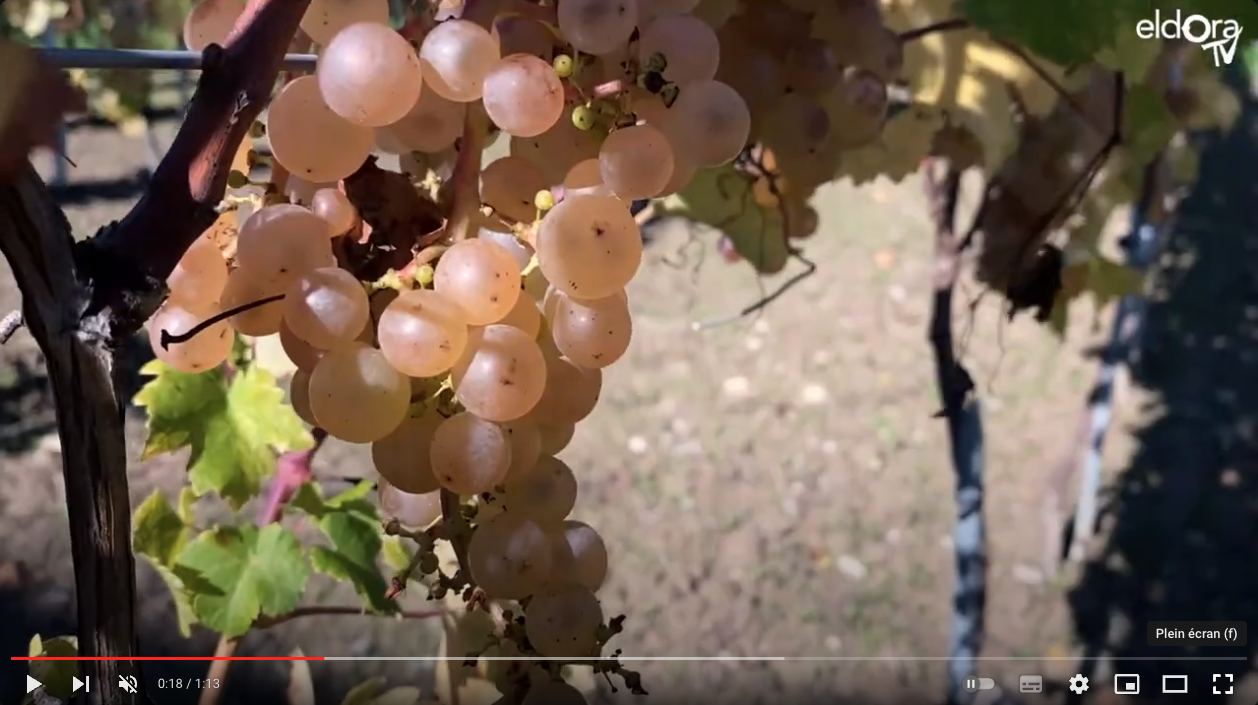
1174	685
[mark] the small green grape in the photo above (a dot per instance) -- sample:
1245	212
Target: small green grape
584	118
429	563
563	65
544	200
424	274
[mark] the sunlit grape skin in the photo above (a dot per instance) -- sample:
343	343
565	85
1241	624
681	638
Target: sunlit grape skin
422	333
469	455
334	207
456	56
523	95
326	307
243	289
324	18
209	22
509	185
690	48
589	246
356	395
481	278
309	139
203	351
591	333
502	376
200	276
636	162
369	75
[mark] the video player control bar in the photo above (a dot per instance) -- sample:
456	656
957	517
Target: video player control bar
1197	634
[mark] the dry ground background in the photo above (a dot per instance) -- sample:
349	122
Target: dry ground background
779	486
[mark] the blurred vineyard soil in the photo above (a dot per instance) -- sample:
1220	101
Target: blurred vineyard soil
771	487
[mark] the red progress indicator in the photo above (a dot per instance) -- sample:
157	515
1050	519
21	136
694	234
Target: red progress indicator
168	658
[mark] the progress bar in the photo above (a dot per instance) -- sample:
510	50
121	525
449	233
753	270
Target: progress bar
623	659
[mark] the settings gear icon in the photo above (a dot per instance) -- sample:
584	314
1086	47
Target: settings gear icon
1078	684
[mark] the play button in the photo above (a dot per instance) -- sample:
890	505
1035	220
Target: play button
32	684
77	684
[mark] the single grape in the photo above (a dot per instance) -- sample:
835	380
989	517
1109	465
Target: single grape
563	65
509	557
413	510
561	621
479	276
209	22
688	45
553	693
431	126
584	117
243	289
326	307
299	396
571	392
526	445
334	207
456	56
403	457
544	200
857	108
597	26
422	333
301	192
589	246
424	274
502	375
525	316
546	493
636	162
580	555
523	96
520	252
709	123
469	455
356	395
280	243
309	139
369	75
203	351
585	179
325	18
302	354
591	333
510	185
554	436
200	276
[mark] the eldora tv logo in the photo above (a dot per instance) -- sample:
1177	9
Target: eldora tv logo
1218	36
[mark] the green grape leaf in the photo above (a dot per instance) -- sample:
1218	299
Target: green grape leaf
1062	31
237	574
1059	318
233	427
1148	124
352	525
1130	54
395	553
57	676
159	532
723	198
